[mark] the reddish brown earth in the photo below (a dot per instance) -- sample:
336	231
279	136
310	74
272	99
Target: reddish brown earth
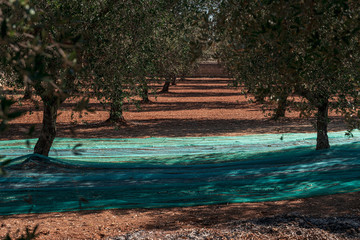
194	107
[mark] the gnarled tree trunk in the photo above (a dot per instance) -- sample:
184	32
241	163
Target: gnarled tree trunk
322	119
48	131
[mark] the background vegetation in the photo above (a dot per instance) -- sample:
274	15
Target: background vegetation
303	54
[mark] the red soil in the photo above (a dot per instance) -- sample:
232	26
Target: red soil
194	107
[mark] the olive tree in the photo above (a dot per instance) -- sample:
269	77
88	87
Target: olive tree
118	50
182	39
307	48
136	42
107	48
38	44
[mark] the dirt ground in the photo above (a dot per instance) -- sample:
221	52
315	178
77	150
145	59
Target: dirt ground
194	107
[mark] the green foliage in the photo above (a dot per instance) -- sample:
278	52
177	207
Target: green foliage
132	43
307	48
38	45
109	49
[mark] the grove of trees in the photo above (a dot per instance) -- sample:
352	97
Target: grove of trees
309	49
109	48
113	50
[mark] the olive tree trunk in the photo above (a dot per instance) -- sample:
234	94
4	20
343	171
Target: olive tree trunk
281	108
145	93
173	82
322	119
48	131
166	86
116	113
168	81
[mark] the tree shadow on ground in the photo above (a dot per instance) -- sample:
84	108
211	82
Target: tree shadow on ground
191	127
175	106
336	213
174	128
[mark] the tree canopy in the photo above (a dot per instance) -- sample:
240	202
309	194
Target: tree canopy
307	48
106	48
111	49
39	41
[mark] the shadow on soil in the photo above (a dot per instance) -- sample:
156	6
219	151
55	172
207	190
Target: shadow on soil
334	214
173	128
331	215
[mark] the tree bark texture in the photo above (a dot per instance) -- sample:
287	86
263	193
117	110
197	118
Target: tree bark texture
48	131
322	140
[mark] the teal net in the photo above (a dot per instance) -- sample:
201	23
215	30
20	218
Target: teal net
170	172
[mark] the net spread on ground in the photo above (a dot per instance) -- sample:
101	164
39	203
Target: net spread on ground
171	172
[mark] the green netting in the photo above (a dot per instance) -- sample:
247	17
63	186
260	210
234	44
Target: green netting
167	172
